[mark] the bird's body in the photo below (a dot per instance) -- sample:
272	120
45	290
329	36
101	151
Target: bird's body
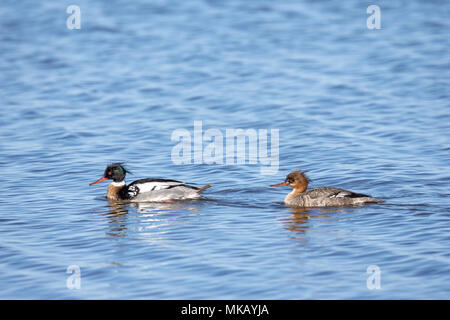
322	196
146	190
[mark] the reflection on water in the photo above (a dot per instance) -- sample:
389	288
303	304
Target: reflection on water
151	214
299	221
148	207
117	219
117	208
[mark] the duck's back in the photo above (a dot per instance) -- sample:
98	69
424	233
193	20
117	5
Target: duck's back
151	189
328	196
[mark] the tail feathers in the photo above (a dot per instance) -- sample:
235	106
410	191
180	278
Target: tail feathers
201	189
364	197
373	200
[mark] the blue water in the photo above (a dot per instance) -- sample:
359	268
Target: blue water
366	110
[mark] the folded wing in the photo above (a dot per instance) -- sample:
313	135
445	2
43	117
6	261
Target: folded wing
148	185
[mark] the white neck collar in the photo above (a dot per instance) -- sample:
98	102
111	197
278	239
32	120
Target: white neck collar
118	184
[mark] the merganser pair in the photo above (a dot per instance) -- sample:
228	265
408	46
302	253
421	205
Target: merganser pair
146	190
154	190
320	197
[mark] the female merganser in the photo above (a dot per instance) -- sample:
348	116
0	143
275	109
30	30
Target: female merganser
319	197
146	190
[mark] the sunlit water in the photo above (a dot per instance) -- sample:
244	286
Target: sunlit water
366	110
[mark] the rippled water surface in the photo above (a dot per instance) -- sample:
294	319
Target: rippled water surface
366	110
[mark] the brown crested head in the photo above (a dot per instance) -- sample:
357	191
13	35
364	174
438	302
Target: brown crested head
297	180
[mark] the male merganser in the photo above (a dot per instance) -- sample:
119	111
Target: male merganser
146	190
319	197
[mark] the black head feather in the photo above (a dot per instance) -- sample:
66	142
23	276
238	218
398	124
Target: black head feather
116	171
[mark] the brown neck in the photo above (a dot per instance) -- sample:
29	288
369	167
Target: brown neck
300	187
113	191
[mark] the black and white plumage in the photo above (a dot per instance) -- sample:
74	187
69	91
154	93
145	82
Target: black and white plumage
151	189
146	190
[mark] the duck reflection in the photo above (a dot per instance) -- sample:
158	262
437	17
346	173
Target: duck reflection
150	213
151	207
299	221
117	219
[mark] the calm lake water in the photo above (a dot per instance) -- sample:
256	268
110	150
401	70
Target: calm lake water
366	110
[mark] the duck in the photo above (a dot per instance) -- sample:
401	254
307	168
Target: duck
146	190
321	196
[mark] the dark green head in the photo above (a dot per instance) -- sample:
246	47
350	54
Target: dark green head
115	172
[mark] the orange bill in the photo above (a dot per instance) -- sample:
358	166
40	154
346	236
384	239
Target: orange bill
283	184
98	181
